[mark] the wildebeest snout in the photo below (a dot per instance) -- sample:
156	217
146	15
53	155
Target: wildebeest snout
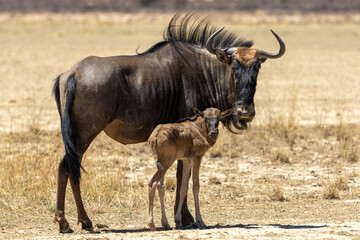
246	111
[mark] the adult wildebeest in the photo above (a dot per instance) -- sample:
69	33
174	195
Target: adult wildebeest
187	140
128	96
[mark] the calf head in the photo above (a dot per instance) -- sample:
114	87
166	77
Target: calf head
212	117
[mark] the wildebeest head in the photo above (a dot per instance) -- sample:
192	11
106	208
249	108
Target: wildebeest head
212	117
245	63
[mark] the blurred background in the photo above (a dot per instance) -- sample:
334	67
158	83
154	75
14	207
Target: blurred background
132	6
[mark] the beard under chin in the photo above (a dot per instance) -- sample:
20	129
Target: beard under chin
241	124
235	124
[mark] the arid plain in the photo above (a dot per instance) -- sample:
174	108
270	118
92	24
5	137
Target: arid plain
293	174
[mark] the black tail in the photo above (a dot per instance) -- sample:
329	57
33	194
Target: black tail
68	130
56	94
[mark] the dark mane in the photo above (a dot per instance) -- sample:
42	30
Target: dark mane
192	119
188	31
189	28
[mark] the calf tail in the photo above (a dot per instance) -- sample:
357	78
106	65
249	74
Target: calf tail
68	129
153	143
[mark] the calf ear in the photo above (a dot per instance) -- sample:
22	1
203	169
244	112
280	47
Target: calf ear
198	112
222	56
226	114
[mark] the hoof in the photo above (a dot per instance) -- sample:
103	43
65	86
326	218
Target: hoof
203	226
64	226
186	218
68	230
91	230
179	225
152	226
86	225
167	227
192	225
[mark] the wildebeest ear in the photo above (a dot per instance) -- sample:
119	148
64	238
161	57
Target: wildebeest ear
222	56
198	112
226	113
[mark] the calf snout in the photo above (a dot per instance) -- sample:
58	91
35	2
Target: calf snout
214	132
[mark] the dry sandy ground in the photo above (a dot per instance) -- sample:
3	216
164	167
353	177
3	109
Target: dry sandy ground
241	203
250	231
293	220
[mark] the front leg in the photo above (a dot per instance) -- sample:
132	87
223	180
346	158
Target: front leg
186	217
196	189
183	192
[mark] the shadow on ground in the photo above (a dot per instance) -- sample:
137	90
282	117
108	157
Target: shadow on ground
217	226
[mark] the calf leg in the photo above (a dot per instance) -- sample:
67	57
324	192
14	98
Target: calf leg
183	192
60	198
186	217
161	190
196	188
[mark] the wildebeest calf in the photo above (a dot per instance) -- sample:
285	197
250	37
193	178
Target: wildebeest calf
188	141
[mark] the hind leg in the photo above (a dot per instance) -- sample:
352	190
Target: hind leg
62	180
86	132
83	143
151	190
82	215
86	112
161	190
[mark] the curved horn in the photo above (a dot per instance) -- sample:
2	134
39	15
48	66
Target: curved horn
230	51
209	42
263	54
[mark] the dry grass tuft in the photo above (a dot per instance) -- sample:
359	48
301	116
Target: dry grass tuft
349	150
170	184
214	180
331	191
341	182
215	153
277	194
280	156
349	146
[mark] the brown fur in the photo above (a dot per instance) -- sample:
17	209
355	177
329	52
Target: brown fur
188	141
246	56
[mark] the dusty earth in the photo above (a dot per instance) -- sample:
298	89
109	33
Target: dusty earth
247	192
293	175
237	231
